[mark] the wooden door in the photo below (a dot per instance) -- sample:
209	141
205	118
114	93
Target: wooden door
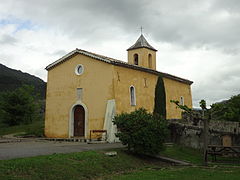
227	140
79	121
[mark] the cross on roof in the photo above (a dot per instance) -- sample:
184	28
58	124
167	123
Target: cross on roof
141	28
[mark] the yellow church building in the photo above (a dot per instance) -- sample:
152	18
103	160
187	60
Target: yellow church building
85	90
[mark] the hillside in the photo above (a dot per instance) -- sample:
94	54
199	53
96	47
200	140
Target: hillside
227	110
11	79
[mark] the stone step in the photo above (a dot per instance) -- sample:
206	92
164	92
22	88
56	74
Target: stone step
67	139
97	142
174	161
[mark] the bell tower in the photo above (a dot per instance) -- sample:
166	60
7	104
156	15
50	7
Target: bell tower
142	54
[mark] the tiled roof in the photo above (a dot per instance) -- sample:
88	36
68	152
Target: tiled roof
141	43
114	62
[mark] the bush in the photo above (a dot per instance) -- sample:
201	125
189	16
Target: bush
36	129
228	110
19	106
142	132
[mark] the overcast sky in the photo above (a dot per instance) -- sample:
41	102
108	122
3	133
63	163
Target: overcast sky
196	39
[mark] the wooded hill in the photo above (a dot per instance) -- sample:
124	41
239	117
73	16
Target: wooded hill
10	79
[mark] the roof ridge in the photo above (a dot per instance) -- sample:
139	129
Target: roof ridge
106	57
114	62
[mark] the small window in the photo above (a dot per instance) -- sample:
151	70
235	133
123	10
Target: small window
149	60
79	93
181	100
135	59
79	69
145	82
132	96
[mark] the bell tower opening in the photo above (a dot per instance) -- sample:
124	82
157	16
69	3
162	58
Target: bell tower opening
135	59
149	60
142	54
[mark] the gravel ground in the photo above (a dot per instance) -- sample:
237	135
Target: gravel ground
35	147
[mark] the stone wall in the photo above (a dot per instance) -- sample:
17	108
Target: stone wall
191	133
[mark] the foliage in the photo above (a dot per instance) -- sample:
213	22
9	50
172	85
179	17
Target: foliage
202	104
19	106
142	132
228	110
183	107
194	116
225	111
160	98
35	129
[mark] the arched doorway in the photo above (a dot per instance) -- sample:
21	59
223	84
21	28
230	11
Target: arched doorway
79	121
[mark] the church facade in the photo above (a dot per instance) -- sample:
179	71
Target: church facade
85	90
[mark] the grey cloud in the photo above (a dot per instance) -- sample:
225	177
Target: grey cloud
231	6
101	19
59	53
6	39
220	84
7	59
39	73
186	23
207	24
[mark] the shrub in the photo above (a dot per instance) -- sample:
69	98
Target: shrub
35	129
19	106
142	132
228	110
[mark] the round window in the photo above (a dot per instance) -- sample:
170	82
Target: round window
79	69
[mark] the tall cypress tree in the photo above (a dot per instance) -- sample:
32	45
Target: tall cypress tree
160	98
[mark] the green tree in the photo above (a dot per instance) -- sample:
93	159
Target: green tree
142	132
228	110
160	98
19	106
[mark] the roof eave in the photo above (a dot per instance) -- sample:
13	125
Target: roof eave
72	53
185	81
141	47
62	59
118	63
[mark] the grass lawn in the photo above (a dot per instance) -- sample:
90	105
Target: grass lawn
96	165
183	153
195	157
36	128
83	165
185	173
197	172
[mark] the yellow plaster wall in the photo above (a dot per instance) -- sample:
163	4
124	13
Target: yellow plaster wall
142	57
125	77
97	84
174	90
101	82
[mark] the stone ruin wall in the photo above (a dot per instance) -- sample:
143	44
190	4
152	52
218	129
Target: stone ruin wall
190	133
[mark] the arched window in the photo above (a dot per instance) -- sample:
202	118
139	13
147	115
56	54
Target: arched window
149	60
135	59
181	100
132	96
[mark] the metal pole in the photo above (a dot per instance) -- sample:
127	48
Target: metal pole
205	141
